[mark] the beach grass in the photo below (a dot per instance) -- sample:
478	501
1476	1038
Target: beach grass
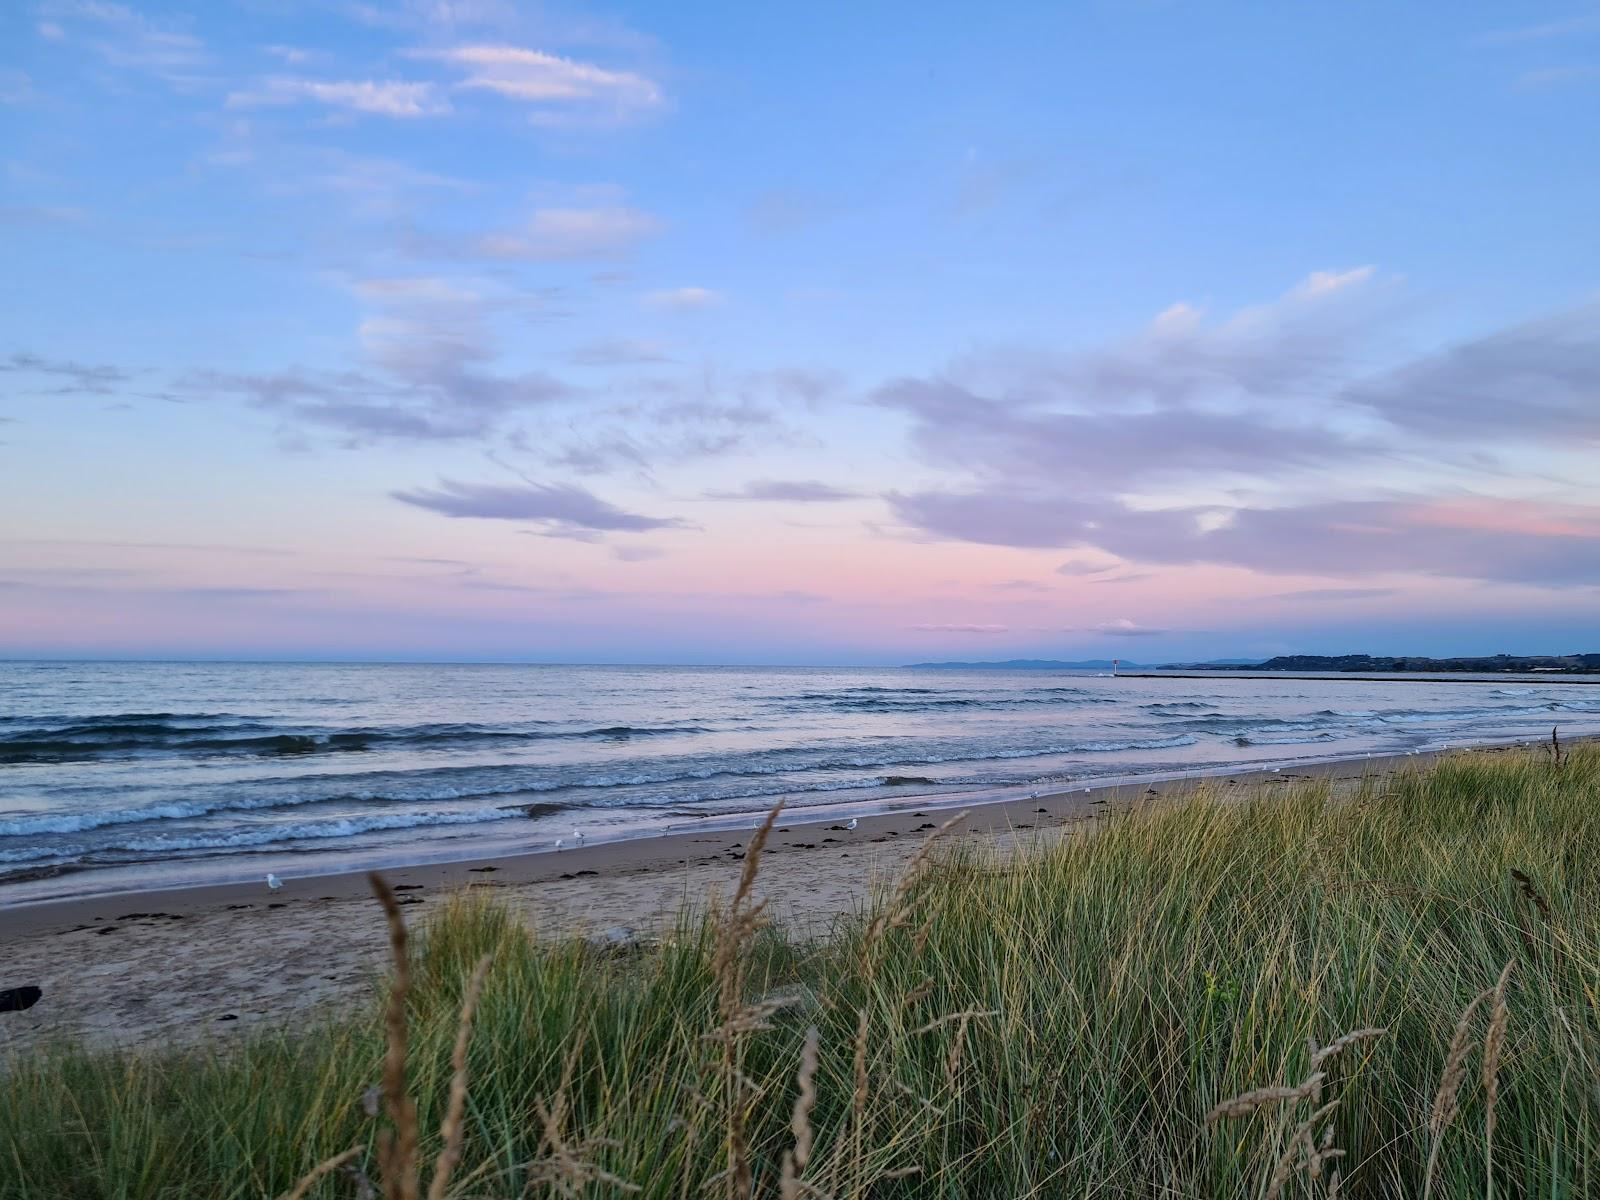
1285	994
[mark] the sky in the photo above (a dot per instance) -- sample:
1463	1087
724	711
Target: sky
798	333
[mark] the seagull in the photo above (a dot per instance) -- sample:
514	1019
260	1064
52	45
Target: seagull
577	836
853	823
273	881
560	843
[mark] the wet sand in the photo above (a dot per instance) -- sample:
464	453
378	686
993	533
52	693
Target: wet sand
203	964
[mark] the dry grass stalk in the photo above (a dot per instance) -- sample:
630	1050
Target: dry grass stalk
1247	1102
897	911
1320	1057
952	1062
858	1098
735	930
918	993
450	1129
1531	894
325	1167
1447	1100
956	1016
1579	1044
920	942
1305	1150
1325	1152
1493	1044
795	1160
565	1167
397	1151
1302	1150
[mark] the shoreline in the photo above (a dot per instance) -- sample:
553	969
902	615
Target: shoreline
655	847
201	965
818	814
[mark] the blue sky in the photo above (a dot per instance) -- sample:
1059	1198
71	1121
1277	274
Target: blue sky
815	333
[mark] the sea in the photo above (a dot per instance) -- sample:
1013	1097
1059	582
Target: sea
119	776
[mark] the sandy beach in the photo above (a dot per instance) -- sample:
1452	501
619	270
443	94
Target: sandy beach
203	964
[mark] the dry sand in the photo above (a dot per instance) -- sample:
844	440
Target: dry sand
203	964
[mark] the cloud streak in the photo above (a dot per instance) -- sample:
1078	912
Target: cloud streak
384	98
1097	450
556	90
564	506
572	234
801	491
1418	535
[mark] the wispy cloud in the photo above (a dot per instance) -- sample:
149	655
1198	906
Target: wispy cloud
805	491
960	628
561	505
1546	78
683	299
1095	450
557	90
126	39
620	352
1353	537
1186	397
74	377
386	98
556	234
1544	32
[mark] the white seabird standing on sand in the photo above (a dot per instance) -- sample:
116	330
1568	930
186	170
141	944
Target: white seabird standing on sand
273	881
853	823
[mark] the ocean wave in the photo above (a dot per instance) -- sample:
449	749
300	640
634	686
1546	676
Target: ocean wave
203	735
182	810
1500	713
1223	724
987	703
265	835
1258	740
484	782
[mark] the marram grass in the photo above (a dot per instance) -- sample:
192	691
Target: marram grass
1288	995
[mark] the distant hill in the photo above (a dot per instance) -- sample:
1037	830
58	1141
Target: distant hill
1570	664
1028	664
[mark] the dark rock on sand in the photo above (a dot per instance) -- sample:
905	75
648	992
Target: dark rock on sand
19	999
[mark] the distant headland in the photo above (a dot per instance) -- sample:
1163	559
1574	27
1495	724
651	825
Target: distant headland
1026	664
1557	664
1561	664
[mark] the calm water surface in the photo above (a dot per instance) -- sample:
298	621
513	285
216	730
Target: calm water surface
120	775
